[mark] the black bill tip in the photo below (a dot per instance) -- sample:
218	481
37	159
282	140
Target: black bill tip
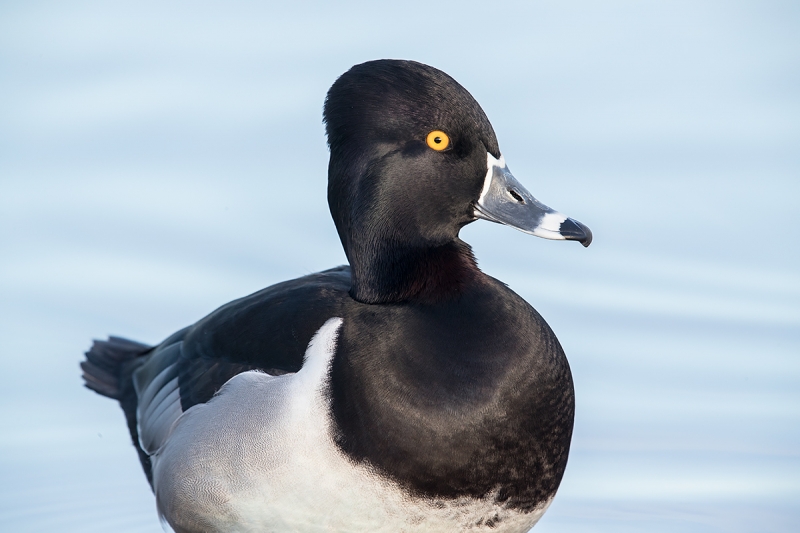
572	230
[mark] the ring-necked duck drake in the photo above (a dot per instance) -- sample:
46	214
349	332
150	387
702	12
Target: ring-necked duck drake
408	391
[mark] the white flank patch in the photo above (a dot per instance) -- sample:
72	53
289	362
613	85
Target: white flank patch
259	457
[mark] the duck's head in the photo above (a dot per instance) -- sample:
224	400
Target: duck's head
413	160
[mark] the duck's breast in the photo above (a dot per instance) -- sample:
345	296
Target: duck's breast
260	456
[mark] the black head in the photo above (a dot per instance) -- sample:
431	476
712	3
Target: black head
395	199
413	160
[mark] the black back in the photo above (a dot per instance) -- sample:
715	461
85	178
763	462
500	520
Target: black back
268	330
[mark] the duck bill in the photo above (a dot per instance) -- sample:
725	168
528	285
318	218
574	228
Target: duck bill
505	201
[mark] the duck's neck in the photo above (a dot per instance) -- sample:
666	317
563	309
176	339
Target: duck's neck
393	274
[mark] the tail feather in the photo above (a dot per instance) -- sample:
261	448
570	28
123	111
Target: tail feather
105	362
108	370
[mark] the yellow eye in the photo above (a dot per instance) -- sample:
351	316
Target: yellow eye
438	140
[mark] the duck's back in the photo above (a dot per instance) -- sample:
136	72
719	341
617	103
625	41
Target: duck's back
267	331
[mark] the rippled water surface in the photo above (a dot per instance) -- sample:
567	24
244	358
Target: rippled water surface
157	161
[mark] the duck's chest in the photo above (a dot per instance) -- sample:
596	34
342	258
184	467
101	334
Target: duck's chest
467	400
261	456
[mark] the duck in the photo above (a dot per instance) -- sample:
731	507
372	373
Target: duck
406	391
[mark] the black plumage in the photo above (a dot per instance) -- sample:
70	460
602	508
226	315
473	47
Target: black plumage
443	380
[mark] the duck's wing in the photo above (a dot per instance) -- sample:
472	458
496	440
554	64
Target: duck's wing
267	331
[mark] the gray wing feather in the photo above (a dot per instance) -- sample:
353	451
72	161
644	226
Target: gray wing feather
157	389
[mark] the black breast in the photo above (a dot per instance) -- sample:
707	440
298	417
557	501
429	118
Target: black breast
463	398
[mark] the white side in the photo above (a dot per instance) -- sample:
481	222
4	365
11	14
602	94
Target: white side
259	457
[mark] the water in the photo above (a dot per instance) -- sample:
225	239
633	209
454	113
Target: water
157	161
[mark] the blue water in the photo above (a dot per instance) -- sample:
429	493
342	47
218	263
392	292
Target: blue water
157	161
